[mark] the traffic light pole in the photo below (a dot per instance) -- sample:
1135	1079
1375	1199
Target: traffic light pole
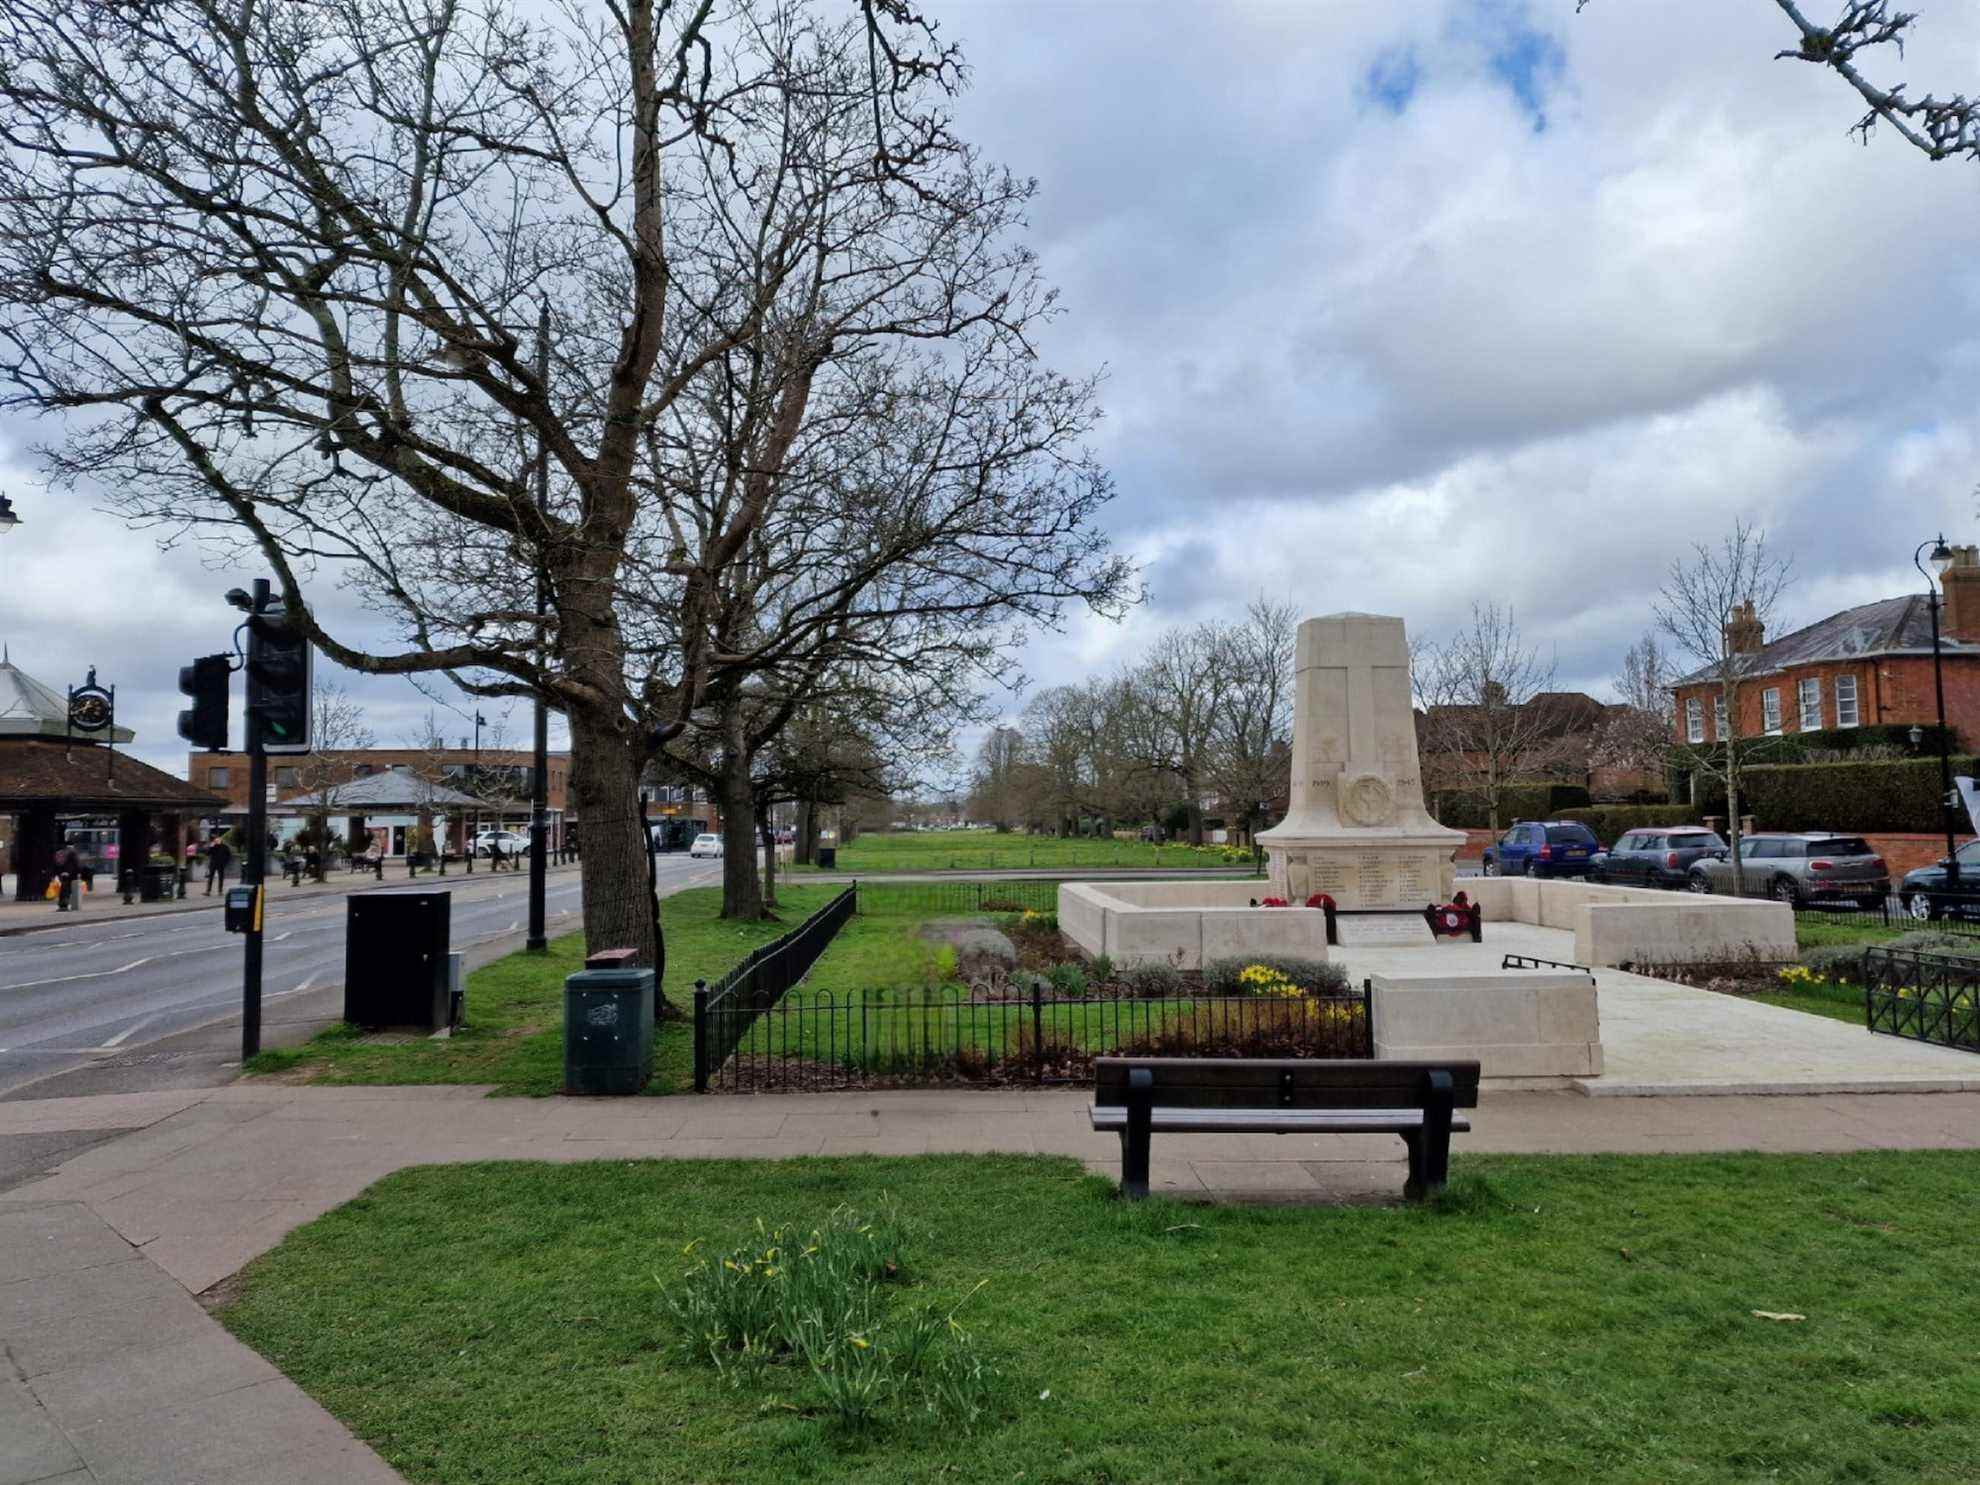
254	868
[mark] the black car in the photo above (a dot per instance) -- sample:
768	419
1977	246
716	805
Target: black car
1655	857
1926	893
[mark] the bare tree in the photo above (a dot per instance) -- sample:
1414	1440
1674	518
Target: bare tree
1635	733
338	732
1714	608
1179	692
1481	721
1253	752
418	295
999	783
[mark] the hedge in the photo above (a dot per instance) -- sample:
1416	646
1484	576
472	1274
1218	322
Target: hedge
1465	811
1899	794
1609	821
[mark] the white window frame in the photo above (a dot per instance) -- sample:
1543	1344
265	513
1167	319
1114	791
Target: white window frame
1849	713
1770	710
1694	720
1720	730
1808	692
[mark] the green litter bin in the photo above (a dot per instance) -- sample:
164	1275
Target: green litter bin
608	1025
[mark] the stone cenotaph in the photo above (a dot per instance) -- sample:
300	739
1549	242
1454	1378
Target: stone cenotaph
1357	829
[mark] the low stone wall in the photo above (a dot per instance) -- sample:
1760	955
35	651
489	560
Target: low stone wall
1640	925
1184	923
1541	1028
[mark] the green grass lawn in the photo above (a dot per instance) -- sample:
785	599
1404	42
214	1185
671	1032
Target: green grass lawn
1839	1002
985	850
514	1034
1561	1319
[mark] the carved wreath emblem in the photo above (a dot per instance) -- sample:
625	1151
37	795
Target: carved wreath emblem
1367	799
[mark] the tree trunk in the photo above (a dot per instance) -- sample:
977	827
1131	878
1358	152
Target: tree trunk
1195	818
769	835
604	784
742	890
807	833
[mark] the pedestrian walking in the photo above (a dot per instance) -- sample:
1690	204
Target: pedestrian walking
68	874
218	856
496	855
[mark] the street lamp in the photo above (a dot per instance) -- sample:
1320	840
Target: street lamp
8	520
1941	558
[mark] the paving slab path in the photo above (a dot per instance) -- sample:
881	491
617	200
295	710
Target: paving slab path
110	1369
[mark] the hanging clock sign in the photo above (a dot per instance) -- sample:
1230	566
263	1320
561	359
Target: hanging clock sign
91	707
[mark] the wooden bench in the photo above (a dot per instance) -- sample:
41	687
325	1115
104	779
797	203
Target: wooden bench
1139	1096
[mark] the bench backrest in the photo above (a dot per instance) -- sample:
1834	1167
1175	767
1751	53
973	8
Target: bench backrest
1285	1083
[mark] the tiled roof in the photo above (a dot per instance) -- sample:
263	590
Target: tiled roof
86	777
1888	626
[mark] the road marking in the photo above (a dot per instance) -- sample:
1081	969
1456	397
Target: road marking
280	936
122	1036
308	980
515	925
95	974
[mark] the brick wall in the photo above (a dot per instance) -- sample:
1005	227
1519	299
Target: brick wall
1903	853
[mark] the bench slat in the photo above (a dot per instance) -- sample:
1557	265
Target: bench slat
1208	1082
1273	1121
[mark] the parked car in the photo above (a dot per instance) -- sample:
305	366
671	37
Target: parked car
706	845
1659	857
1555	848
1925	894
512	842
1799	869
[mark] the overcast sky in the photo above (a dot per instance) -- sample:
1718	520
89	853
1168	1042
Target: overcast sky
1402	306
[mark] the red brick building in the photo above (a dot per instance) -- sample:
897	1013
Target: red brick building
1864	667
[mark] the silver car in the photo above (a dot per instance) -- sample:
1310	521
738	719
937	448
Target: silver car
1809	867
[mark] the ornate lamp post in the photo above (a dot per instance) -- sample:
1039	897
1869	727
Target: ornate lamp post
1941	559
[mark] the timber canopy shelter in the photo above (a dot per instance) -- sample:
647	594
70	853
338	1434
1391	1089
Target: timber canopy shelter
50	778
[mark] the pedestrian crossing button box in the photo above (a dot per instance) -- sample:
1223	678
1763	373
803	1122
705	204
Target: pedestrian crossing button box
239	909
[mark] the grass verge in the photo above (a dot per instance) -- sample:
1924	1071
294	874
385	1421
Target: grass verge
515	1009
1558	1319
984	850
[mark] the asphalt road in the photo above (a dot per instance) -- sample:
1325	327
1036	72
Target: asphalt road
82	993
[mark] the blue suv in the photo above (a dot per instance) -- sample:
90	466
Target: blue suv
1559	848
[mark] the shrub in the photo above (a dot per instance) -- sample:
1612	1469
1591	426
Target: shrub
1153	980
1609	821
1937	941
1840	962
816	1302
1101	969
1309	976
1067	979
1883	794
1467	810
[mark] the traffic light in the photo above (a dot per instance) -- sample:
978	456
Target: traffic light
278	668
206	681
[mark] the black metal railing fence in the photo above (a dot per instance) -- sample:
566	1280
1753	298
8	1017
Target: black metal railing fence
725	1011
1922	996
820	1040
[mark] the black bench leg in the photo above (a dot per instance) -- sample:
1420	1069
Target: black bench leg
1430	1147
1135	1138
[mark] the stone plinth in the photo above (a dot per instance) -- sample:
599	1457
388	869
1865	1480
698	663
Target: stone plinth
1532	1027
1185	924
1640	926
1356	828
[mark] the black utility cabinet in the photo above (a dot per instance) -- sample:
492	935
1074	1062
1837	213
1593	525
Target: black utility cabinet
395	959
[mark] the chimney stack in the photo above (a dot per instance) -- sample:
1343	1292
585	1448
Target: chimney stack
1960	583
1745	634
